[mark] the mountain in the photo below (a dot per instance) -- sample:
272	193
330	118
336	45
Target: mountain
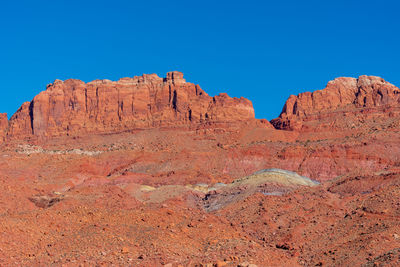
343	103
151	171
73	108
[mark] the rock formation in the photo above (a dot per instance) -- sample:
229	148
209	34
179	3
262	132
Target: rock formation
73	107
342	95
202	190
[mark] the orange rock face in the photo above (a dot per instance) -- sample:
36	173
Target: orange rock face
349	96
75	108
3	123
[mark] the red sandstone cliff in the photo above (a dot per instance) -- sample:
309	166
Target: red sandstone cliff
3	124
349	96
73	107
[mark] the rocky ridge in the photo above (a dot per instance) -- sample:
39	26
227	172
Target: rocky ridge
72	107
369	96
75	108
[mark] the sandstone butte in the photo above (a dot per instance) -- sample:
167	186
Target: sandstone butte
73	107
368	95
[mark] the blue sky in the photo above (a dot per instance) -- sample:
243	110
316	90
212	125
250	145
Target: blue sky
262	50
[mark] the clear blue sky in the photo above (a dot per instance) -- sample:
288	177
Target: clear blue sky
262	50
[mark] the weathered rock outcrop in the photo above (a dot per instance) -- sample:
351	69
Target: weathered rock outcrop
73	107
366	95
3	124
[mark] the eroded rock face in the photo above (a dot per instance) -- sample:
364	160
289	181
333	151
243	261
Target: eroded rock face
342	95
73	107
3	123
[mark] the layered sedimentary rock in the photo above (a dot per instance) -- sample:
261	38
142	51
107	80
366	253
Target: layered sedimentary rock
73	107
349	96
3	124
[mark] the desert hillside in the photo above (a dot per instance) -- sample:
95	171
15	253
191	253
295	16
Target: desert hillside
152	171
